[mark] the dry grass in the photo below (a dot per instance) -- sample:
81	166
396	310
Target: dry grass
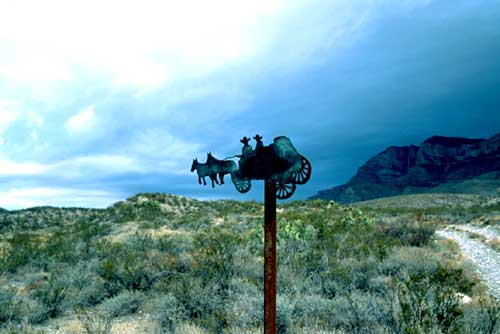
477	236
124	231
189	329
424	201
495	244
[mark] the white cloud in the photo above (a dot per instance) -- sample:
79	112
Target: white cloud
141	44
12	168
35	68
18	198
159	151
35	119
7	116
87	167
82	121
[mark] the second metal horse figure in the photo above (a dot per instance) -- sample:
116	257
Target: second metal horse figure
212	168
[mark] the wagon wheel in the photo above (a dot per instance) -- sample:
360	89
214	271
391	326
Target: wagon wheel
285	190
304	174
242	185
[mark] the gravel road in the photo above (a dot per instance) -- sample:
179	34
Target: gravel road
483	256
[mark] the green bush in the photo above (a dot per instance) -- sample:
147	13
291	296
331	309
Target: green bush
24	249
123	268
85	287
33	311
9	304
52	295
122	304
169	311
415	233
22	328
94	322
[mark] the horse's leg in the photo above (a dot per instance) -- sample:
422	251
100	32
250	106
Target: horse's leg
212	179
199	179
221	176
204	182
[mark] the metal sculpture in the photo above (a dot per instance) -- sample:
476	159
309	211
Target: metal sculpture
212	168
282	168
279	162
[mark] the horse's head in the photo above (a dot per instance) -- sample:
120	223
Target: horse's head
194	165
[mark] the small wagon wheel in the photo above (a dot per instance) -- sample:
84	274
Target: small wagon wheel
242	185
285	190
304	174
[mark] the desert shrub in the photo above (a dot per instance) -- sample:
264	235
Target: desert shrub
311	310
9	304
361	271
21	328
33	311
122	268
122	304
359	312
168	310
175	244
455	278
483	317
215	248
23	249
284	314
205	301
245	305
415	233
83	286
59	247
410	260
93	321
52	294
420	306
186	328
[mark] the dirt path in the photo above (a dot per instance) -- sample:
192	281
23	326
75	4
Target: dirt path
486	259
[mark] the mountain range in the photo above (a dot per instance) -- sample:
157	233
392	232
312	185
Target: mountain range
439	164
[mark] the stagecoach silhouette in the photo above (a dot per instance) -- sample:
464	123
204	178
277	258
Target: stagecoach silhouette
278	162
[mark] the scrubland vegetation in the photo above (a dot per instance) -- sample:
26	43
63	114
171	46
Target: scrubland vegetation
177	265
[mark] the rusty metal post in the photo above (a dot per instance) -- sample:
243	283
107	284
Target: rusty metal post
270	267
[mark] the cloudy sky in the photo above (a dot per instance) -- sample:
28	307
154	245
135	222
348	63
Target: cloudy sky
100	100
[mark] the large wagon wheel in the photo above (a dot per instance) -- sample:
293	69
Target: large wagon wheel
304	174
285	190
242	185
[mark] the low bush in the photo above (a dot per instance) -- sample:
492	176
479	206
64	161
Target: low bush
22	328
93	321
126	302
9	304
52	294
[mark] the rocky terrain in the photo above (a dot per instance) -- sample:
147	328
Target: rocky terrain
481	246
439	164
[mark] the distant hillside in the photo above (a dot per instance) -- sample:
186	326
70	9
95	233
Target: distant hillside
439	164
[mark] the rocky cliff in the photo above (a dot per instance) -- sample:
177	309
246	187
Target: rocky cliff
413	169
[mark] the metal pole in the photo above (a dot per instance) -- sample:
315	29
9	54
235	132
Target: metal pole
270	258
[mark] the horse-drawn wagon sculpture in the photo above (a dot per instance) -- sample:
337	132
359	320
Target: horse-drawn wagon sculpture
278	162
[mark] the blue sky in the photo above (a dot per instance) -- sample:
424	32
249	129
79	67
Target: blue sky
102	100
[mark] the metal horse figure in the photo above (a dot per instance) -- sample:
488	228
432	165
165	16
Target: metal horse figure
212	168
222	167
203	170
